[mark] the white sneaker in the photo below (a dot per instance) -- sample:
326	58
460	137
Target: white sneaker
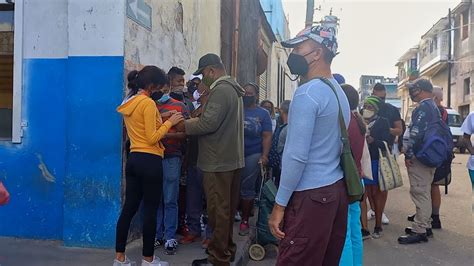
171	246
237	217
156	262
385	219
370	215
126	262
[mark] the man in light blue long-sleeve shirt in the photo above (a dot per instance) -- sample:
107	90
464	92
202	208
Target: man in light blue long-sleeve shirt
310	214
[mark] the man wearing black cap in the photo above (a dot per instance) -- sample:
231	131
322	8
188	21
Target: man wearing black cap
420	175
220	129
311	182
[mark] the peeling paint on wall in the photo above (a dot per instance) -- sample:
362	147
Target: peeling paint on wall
44	170
182	32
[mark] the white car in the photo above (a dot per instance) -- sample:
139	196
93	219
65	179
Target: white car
454	123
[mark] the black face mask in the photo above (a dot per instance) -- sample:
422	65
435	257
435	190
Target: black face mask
249	100
156	95
414	94
192	89
179	96
298	64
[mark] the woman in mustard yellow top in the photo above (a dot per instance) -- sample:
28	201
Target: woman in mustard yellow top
144	172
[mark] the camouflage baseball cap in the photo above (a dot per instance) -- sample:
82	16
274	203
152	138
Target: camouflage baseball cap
320	34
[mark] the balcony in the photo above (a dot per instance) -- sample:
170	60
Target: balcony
429	59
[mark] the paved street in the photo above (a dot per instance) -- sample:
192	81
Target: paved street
453	245
20	252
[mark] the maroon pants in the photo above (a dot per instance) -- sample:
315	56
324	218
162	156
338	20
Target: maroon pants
315	226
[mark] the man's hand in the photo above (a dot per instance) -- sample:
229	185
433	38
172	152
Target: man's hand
397	130
264	160
168	114
275	221
408	163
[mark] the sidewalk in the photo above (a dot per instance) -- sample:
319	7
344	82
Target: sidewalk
19	252
452	245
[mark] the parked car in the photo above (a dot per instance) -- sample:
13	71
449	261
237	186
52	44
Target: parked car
454	123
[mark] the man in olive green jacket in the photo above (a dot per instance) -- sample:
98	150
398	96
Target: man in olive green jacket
221	155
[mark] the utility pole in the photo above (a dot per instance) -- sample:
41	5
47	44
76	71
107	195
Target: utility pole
449	57
309	13
449	76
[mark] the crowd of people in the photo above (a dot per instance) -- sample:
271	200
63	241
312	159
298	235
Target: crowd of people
200	145
198	148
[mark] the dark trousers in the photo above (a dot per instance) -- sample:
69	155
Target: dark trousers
222	192
194	201
315	225
144	180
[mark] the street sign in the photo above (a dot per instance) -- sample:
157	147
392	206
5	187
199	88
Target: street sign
140	12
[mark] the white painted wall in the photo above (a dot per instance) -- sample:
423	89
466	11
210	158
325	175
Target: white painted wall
58	28
45	29
170	44
96	27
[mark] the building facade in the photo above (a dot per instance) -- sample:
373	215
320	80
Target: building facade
462	96
429	59
391	85
63	66
366	84
280	87
407	71
62	161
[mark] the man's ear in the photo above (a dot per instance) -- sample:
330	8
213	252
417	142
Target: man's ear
316	55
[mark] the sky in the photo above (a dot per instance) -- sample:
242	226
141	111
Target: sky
372	35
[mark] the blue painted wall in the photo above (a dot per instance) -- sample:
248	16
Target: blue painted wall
276	17
36	210
92	183
65	176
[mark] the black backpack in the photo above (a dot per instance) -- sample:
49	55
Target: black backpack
437	142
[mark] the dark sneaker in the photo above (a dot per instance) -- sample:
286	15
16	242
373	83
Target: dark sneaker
189	238
413	239
411	218
202	262
377	232
159	243
436	223
183	230
365	234
171	246
409	231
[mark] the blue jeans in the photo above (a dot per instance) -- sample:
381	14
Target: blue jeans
353	247
194	201
168	210
249	177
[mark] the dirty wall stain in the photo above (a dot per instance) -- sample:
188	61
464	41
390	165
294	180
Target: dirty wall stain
44	170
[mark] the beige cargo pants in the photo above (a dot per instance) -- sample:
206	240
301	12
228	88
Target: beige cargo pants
421	177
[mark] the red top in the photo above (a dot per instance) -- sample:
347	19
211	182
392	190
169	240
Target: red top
444	114
357	140
173	147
